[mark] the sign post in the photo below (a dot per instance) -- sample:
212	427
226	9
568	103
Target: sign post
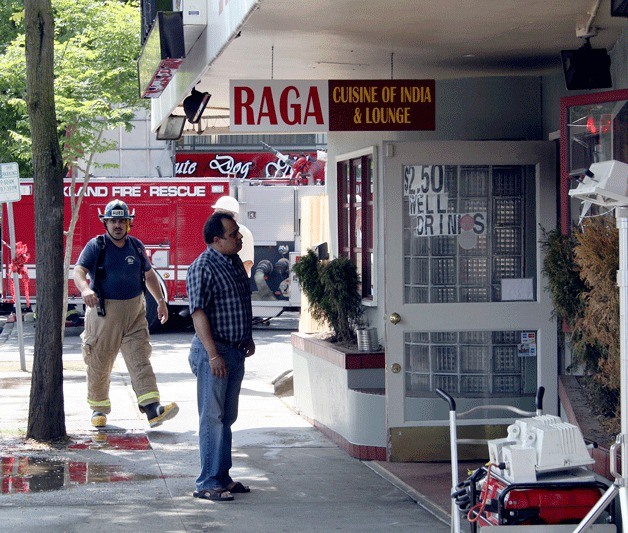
9	193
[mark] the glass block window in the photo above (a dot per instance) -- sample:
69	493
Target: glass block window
466	228
470	363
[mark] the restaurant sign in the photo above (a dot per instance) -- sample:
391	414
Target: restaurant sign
333	105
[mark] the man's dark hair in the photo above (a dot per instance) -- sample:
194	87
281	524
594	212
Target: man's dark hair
213	226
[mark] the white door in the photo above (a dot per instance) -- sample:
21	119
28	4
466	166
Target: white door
464	285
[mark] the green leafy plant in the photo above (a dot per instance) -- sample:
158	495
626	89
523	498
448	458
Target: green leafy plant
566	287
332	289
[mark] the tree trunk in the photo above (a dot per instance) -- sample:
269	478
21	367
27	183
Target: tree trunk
46	417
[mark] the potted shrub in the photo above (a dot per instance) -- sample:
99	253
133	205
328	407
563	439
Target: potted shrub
332	289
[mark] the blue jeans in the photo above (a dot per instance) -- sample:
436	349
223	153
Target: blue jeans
217	411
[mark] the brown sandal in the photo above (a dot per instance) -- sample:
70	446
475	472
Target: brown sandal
215	495
238	488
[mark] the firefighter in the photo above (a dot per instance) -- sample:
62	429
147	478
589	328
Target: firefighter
228	204
115	315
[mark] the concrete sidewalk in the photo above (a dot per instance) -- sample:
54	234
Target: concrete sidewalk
131	478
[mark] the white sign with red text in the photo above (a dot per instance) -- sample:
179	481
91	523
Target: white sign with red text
9	182
281	105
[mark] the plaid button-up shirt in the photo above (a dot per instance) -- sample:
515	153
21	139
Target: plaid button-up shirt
218	285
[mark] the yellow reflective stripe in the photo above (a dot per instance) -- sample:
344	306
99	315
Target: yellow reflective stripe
103	403
148	396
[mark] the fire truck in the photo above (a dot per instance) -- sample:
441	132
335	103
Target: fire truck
169	218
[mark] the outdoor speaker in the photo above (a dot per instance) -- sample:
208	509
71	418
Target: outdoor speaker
619	8
321	250
586	68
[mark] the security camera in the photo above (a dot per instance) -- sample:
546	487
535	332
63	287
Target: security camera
604	184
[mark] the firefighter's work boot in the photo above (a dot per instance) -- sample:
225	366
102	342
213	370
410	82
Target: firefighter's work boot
160	413
99	419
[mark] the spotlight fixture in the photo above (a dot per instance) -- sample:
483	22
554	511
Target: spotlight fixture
171	129
195	104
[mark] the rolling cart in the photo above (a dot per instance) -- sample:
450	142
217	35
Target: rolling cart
536	478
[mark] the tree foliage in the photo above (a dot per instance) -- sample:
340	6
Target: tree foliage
96	46
13	114
10	13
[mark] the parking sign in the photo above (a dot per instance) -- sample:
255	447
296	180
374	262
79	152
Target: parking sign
9	182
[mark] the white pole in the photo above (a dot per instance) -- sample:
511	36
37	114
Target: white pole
16	283
453	446
621	215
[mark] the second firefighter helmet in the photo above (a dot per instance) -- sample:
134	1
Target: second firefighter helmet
227	203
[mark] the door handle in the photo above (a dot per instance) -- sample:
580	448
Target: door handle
394	318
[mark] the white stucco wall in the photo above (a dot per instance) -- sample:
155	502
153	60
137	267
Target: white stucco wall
619	61
322	393
138	154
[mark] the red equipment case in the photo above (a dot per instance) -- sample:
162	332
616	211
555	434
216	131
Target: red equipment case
548	503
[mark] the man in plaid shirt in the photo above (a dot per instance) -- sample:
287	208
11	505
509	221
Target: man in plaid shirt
220	303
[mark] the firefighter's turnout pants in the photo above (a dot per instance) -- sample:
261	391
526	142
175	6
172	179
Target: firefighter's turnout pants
124	329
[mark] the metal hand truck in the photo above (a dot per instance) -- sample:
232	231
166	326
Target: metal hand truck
495	508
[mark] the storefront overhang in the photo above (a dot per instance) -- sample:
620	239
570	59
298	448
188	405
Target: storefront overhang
326	40
224	21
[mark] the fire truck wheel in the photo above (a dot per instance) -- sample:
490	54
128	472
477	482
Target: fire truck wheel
151	313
